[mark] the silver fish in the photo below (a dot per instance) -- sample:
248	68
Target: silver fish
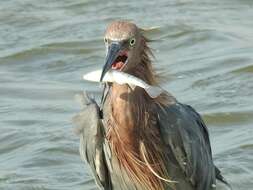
123	78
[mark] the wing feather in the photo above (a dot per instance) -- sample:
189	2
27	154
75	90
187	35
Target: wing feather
89	128
186	135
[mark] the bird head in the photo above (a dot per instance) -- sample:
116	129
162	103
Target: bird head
123	41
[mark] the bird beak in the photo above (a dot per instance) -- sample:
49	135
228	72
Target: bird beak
112	54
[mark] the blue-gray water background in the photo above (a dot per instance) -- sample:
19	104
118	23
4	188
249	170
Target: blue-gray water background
204	47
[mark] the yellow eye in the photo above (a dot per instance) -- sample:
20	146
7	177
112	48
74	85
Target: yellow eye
132	41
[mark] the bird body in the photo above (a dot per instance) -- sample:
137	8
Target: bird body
141	142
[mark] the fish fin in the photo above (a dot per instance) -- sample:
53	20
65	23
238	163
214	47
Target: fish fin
154	91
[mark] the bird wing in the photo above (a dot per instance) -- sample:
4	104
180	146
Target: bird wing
89	128
186	137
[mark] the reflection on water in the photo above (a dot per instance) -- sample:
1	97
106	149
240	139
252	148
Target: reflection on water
203	47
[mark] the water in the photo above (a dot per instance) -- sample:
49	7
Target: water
205	47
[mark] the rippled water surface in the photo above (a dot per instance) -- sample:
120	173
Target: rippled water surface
204	47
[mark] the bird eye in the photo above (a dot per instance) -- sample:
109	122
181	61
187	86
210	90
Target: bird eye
105	40
132	42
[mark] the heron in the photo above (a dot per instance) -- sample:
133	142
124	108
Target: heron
135	142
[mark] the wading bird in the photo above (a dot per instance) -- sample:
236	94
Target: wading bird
135	142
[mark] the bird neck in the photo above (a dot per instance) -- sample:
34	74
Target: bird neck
127	109
132	122
129	106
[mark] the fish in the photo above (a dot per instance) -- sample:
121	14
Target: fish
124	78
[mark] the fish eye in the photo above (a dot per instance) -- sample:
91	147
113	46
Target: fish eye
132	41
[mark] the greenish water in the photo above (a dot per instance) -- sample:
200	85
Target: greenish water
204	47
